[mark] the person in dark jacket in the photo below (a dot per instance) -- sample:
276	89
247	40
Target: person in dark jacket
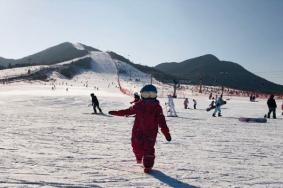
271	103
186	103
148	117
195	104
137	98
95	103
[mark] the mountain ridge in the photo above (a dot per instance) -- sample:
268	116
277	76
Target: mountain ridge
62	52
206	69
209	70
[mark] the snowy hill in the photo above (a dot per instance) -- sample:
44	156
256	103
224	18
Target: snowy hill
157	74
126	76
51	139
206	69
211	71
56	54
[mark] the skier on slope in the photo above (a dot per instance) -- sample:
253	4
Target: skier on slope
171	105
149	117
219	101
186	103
212	104
282	107
195	104
137	98
95	103
271	103
210	96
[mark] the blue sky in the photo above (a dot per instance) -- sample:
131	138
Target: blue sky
248	32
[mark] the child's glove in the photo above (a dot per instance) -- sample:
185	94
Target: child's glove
168	137
166	134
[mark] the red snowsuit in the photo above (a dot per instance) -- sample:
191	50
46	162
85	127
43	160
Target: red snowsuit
148	117
135	101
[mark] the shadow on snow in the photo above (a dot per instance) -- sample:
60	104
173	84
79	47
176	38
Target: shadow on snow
52	184
172	182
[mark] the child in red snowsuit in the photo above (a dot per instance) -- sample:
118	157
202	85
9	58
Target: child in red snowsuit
148	117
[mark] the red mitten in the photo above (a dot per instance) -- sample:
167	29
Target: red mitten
167	134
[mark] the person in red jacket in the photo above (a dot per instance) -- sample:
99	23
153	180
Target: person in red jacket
148	117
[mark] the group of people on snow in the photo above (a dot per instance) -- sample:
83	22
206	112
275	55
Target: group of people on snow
186	103
144	131
215	104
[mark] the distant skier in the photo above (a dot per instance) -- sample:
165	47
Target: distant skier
171	105
210	96
149	117
271	103
282	108
186	103
219	101
95	103
252	98
195	104
212	104
137	98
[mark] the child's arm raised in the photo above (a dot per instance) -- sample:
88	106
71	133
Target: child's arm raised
126	112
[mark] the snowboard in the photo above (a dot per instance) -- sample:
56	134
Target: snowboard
212	107
253	120
98	114
101	114
172	116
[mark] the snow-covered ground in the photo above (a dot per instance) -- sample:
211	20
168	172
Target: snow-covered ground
49	138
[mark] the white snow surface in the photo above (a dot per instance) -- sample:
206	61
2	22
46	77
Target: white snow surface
103	63
49	138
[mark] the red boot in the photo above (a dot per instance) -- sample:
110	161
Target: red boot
147	170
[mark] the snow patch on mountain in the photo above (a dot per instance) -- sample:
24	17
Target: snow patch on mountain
78	46
7	73
103	63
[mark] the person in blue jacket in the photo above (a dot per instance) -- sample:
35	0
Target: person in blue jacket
219	101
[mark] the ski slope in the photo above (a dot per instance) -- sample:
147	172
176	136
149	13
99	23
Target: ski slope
130	78
49	138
